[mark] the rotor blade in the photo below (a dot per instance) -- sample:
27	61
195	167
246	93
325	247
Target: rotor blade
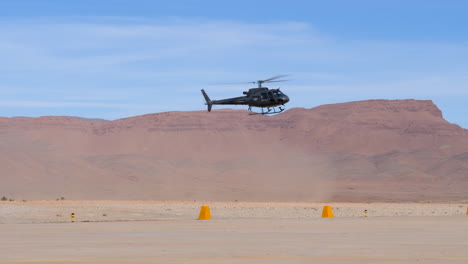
277	81
275	77
232	83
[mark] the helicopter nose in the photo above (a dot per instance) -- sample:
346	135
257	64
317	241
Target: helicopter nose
285	99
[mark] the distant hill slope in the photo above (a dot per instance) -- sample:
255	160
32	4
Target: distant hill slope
377	150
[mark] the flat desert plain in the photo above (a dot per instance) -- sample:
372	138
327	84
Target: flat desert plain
105	211
239	232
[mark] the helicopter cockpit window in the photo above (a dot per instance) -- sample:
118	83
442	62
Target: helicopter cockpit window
277	93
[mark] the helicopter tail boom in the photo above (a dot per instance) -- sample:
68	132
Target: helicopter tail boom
208	100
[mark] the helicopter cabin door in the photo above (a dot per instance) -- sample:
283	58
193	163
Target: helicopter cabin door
271	96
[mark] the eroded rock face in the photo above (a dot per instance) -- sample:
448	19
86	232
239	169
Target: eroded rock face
368	150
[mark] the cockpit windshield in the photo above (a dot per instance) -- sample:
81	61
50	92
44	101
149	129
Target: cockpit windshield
277	92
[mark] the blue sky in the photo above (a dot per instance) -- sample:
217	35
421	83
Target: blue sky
114	58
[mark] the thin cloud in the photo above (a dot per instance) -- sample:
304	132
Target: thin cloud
52	104
133	63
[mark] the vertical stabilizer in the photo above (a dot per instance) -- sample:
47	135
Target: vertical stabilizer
208	101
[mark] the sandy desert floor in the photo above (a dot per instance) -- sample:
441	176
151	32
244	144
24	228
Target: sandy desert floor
105	211
168	232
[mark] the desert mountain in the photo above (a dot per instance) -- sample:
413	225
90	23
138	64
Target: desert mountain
385	150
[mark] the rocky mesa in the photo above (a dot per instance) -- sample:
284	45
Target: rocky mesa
376	150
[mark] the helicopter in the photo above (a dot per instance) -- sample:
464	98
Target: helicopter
256	97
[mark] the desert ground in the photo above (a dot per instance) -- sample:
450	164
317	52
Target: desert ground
35	212
239	232
125	181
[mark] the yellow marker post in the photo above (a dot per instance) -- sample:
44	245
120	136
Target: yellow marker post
72	217
467	211
205	213
327	212
365	213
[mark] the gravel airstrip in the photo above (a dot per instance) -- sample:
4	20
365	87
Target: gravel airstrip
239	232
105	211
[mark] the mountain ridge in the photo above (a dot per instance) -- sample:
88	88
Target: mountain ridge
375	150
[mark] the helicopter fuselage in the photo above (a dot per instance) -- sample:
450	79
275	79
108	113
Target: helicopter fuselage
257	97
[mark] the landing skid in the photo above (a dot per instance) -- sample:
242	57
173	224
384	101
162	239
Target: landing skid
269	111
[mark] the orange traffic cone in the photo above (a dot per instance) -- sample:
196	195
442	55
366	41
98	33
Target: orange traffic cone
205	213
327	211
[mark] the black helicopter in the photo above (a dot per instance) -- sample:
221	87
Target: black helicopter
256	97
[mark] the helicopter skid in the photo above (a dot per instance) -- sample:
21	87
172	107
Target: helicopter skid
269	111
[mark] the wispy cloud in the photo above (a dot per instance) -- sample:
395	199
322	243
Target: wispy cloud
54	104
132	63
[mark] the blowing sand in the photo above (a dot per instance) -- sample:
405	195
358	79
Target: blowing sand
106	211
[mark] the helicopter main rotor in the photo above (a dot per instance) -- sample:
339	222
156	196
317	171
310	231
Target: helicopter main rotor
270	80
259	82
